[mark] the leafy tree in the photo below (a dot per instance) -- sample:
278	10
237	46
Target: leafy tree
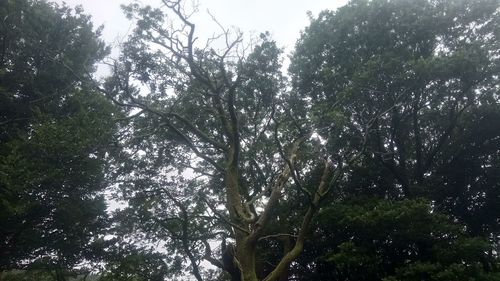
214	149
379	239
54	138
424	75
429	66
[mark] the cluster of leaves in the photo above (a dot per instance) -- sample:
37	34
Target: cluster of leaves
379	239
414	84
55	137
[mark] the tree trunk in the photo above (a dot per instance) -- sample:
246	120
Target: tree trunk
287	247
245	256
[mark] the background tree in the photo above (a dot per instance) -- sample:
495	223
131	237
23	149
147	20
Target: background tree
431	68
54	138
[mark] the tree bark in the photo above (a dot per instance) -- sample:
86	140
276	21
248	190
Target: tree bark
245	255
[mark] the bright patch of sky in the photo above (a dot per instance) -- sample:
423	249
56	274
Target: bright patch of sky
284	19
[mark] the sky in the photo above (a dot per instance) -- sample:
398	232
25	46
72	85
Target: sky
284	19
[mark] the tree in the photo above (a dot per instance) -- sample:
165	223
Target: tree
367	238
213	146
430	66
54	138
425	73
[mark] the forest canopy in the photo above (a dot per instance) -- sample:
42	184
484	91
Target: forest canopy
374	156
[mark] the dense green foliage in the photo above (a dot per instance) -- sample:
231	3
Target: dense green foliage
54	136
424	75
378	159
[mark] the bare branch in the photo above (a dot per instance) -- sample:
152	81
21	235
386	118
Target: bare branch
306	221
224	219
276	192
208	256
289	162
277	235
191	145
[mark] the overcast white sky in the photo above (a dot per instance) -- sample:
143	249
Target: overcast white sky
284	19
